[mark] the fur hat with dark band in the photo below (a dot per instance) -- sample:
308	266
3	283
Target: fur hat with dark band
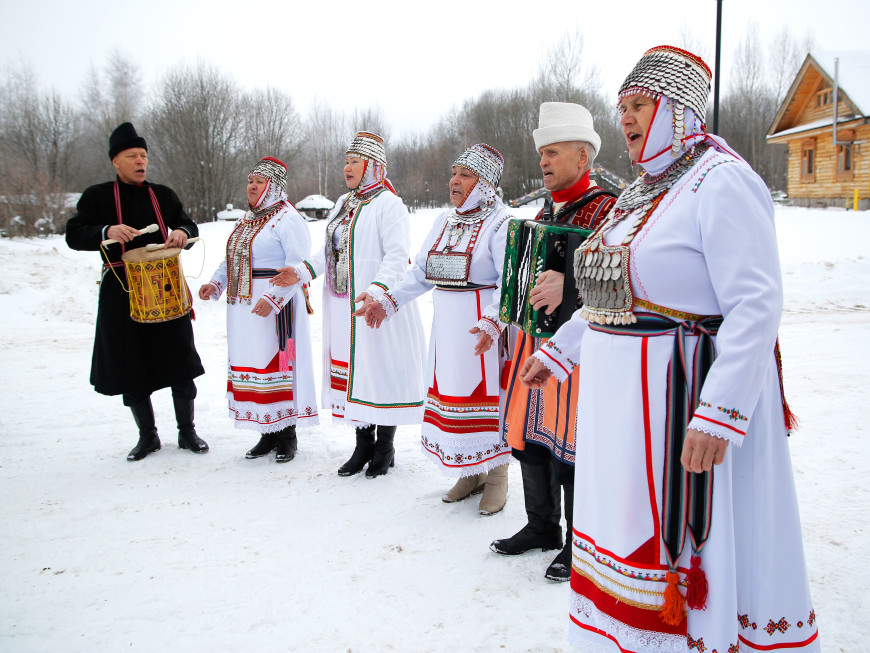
123	138
483	160
562	122
674	73
369	146
272	169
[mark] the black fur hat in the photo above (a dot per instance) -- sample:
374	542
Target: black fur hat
123	138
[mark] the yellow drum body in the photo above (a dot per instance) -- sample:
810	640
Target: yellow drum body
158	292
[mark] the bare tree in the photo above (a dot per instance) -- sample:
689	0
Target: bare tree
326	133
38	134
370	119
688	40
564	72
271	126
748	109
194	129
107	98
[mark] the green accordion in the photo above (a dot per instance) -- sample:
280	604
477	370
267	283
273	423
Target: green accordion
533	247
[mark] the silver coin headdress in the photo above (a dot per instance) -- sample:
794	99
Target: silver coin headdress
677	74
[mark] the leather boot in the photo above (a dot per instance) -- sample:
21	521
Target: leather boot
541	494
495	491
362	453
187	437
385	454
267	444
560	569
465	487
286	445
143	415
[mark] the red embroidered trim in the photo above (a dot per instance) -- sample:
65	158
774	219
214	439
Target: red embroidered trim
727	426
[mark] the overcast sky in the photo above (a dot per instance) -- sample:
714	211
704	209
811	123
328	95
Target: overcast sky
413	59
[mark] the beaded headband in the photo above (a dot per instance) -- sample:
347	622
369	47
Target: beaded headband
368	146
483	160
273	169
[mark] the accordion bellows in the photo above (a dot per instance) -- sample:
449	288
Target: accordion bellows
533	247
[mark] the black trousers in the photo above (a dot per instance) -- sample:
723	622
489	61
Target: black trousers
545	480
183	391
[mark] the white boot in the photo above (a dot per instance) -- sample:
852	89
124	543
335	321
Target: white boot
495	492
465	487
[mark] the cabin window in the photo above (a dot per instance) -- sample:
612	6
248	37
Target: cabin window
844	161
808	160
825	97
845	154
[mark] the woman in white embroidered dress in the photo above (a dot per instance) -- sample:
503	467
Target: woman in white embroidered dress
373	380
462	259
270	383
684	492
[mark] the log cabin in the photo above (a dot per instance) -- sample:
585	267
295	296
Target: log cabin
827	162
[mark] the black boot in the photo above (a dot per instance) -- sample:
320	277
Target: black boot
560	569
543	510
385	454
286	445
362	453
267	444
143	414
187	437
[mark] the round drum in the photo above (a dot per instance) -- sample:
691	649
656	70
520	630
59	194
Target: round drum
157	289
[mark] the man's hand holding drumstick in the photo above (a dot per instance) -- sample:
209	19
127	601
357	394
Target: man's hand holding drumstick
177	238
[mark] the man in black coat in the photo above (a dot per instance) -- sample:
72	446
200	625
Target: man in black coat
130	358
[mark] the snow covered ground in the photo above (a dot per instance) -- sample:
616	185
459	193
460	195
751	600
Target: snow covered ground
217	553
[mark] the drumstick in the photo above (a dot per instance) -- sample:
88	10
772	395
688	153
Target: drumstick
145	230
153	247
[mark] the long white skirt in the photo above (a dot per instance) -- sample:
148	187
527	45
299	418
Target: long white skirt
260	396
758	590
461	426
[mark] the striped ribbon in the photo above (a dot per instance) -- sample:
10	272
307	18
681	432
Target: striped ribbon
284	318
687	498
154	203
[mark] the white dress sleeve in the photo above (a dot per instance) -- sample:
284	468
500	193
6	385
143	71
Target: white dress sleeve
394	233
413	282
738	236
292	232
490	322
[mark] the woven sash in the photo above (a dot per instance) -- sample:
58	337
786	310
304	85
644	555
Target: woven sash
687	499
284	318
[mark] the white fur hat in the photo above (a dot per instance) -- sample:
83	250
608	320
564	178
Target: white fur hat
560	122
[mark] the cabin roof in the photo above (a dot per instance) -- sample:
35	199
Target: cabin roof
315	203
817	71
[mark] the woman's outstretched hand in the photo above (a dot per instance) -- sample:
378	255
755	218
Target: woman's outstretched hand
484	341
371	310
534	374
286	277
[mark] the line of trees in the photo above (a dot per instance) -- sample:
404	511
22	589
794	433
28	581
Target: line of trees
204	131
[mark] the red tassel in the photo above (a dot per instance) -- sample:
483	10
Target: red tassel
506	374
287	355
674	609
791	420
696	586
